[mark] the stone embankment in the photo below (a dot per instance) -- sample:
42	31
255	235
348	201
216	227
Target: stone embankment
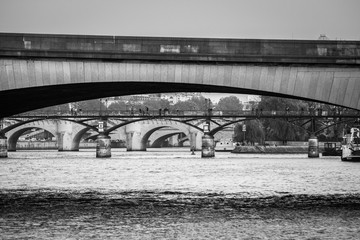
270	149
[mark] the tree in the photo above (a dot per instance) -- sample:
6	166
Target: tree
254	132
117	106
279	129
56	108
91	105
193	104
230	103
157	104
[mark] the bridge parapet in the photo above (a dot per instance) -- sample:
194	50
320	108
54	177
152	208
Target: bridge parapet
179	49
126	115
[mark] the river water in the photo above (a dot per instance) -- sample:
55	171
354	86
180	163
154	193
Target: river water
171	194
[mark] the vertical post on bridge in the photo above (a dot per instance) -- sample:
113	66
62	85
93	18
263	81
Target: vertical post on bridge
208	144
103	146
313	149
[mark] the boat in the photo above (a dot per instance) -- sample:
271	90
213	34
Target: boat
226	145
351	146
331	149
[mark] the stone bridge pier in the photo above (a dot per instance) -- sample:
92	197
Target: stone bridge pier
134	136
68	138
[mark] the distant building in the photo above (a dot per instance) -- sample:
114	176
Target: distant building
137	98
173	98
323	37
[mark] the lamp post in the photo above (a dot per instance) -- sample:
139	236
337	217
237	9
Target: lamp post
103	146
244	131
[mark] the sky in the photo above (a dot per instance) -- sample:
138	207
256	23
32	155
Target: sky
244	19
265	19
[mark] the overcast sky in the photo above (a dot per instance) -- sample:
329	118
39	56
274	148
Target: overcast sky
279	19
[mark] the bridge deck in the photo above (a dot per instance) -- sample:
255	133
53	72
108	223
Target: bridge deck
180	49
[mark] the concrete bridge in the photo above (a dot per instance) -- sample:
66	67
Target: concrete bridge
44	70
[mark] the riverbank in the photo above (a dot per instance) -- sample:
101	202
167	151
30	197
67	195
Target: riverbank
53	145
270	149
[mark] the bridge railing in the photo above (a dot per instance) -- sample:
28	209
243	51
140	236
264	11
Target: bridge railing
174	112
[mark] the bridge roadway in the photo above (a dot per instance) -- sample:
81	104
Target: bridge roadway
137	129
45	70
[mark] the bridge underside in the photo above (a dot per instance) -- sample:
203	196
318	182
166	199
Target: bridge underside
29	84
39	97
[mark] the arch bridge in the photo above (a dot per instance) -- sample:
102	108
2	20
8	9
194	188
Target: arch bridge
137	129
44	70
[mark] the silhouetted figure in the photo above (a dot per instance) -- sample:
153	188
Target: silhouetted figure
166	111
192	150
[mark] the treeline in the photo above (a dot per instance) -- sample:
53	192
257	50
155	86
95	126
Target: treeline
277	129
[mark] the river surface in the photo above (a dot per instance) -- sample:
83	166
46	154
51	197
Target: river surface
171	194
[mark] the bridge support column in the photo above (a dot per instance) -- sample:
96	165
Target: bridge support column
3	146
11	147
103	146
134	141
65	142
313	150
195	141
208	146
66	132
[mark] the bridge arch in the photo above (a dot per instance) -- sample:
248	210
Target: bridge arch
339	86
159	141
45	70
14	134
138	133
67	132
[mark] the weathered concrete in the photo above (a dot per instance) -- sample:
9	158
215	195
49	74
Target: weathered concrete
313	150
103	146
44	70
3	146
208	146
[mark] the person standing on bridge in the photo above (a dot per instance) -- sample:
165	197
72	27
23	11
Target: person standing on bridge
166	111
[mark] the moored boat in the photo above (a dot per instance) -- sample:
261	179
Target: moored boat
351	146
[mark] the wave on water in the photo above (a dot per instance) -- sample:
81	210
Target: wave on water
169	199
